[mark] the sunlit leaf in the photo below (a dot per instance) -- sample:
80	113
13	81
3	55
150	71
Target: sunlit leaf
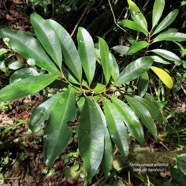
56	133
137	16
86	53
163	75
130	119
47	37
133	26
166	54
160	60
134	70
91	137
174	36
24	87
166	21
22	74
137	46
157	11
143	114
117	128
15	65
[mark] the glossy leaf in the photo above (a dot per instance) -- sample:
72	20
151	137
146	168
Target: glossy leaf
137	46
160	60
171	36
108	154
25	87
3	51
117	128
137	16
166	54
69	50
22	74
143	114
166	21
15	65
163	75
133	26
122	50
134	70
86	53
80	103
91	137
130	119
106	59
56	133
41	113
143	84
152	108
115	68
29	47
47	37
157	11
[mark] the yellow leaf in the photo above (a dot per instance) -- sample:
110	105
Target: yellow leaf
164	76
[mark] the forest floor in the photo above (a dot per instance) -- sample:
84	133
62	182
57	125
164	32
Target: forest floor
21	153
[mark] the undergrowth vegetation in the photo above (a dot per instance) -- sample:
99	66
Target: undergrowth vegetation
83	81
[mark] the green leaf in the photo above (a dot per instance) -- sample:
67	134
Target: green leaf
86	53
160	60
164	76
134	70
69	50
98	87
108	154
166	21
122	50
3	51
25	87
22	74
143	84
15	65
166	54
57	134
91	137
152	108
29	47
137	16
137	46
80	103
117	128
157	11
47	37
133	26
115	68
130	119
106	59
171	36
143	114
41	113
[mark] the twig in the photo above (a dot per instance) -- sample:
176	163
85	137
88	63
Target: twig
114	17
86	9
